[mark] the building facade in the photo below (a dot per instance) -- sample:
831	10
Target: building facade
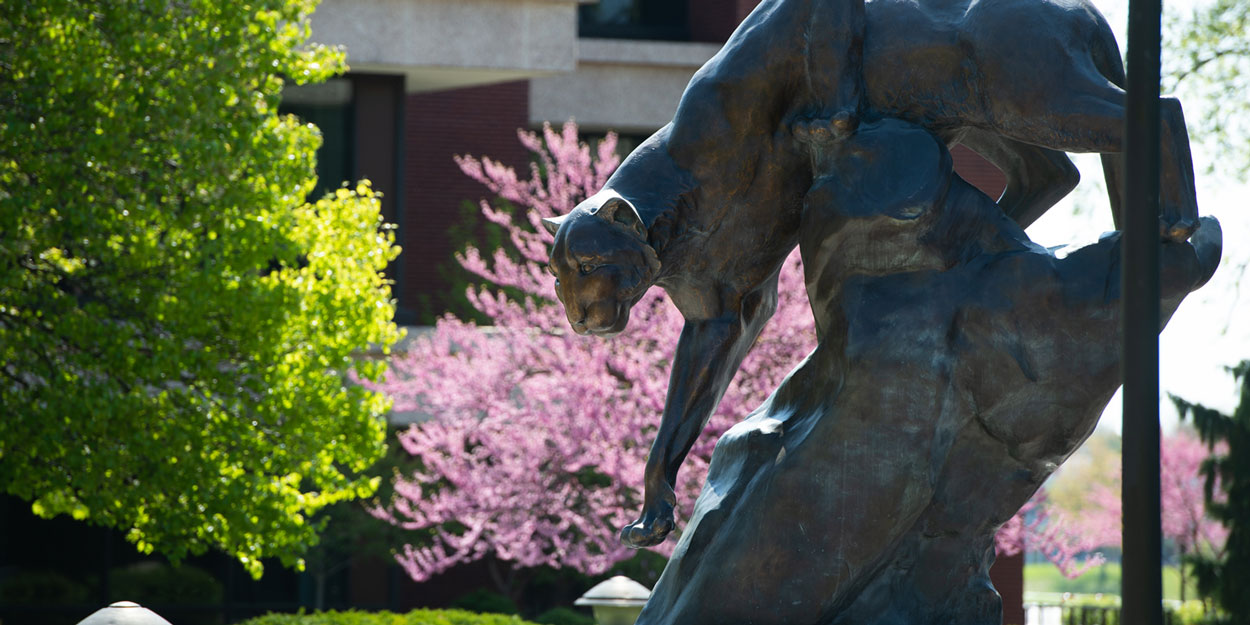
429	80
472	73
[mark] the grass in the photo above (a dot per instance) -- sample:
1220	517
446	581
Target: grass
1105	579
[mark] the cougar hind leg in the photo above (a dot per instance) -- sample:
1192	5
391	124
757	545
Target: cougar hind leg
1089	116
1178	195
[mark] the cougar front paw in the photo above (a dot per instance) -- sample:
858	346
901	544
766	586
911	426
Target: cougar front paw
652	528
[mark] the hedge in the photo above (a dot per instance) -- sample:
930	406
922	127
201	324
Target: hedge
416	617
563	616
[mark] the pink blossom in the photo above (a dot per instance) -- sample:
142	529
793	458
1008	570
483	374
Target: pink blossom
536	453
1038	528
1185	521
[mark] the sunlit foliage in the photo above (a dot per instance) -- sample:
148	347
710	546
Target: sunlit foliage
177	323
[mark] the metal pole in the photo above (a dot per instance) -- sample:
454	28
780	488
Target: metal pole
1142	576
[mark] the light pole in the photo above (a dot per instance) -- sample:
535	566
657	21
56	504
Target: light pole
1142	532
616	601
124	613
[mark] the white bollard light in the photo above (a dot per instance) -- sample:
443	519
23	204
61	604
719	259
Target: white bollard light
617	601
124	613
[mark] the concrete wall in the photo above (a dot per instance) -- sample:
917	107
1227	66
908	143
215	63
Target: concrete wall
443	44
623	85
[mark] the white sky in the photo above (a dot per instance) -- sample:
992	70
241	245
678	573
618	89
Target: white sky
1211	330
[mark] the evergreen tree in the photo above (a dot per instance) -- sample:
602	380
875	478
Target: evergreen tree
1227	493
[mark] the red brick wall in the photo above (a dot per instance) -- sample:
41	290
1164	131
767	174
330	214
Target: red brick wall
1008	577
477	121
978	172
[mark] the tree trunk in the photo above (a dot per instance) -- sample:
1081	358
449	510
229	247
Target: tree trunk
1182	570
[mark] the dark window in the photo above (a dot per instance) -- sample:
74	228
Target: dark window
329	106
360	117
635	19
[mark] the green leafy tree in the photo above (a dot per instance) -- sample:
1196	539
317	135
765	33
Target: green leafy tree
1227	493
1208	58
178	325
349	533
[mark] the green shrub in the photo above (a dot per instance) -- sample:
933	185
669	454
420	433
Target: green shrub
36	588
155	583
1195	612
416	617
482	600
151	583
33	588
563	616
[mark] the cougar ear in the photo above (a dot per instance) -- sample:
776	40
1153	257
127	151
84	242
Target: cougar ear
619	211
552	224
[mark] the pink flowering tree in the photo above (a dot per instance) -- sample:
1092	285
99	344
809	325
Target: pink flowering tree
1039	528
536	450
1186	523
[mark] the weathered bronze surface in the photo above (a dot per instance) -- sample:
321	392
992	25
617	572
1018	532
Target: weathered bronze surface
958	365
958	362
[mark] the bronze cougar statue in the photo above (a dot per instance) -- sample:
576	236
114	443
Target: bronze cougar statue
710	206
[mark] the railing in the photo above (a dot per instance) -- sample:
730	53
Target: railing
1059	612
